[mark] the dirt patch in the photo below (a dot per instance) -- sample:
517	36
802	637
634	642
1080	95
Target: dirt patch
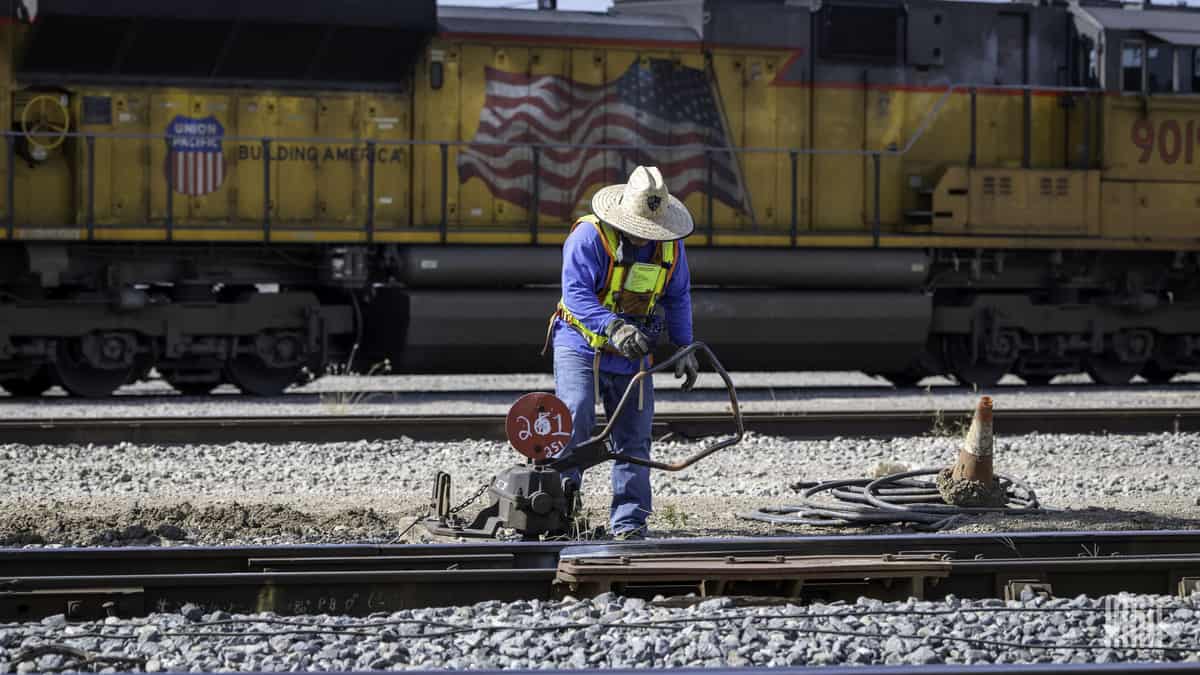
121	523
188	523
715	517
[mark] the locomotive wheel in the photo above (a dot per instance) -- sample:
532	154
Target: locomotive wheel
142	365
254	377
1156	374
967	371
1037	380
79	378
903	380
193	387
1108	370
30	387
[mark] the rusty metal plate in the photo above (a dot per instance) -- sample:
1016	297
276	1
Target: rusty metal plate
605	572
538	425
84	603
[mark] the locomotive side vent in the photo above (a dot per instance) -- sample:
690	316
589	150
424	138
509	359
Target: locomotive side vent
1054	187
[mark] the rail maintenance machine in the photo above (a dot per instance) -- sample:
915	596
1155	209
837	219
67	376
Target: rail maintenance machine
532	501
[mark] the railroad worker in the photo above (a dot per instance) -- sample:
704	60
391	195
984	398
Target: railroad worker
620	266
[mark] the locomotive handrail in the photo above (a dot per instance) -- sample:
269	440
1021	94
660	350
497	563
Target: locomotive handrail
321	140
709	151
922	128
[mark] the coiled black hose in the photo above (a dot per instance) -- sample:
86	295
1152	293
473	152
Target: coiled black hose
899	498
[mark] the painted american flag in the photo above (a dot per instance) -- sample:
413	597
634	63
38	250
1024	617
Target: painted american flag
660	103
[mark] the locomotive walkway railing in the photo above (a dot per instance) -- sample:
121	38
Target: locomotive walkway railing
535	151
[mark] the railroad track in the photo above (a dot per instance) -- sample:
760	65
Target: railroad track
335	428
1146	668
400	395
359	580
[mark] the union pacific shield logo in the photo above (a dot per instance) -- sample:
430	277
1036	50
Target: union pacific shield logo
195	159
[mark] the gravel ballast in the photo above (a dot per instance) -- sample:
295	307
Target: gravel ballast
613	632
370	491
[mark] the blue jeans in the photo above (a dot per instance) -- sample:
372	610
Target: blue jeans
631	503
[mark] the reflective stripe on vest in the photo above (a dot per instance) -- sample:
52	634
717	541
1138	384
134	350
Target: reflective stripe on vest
638	278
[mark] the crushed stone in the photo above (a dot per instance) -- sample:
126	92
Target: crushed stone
371	491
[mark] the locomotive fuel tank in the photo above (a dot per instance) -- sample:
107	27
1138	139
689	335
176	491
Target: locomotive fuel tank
501	267
478	331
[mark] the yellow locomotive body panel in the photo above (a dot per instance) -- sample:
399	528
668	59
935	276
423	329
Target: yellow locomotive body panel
320	145
958	173
921	132
804	157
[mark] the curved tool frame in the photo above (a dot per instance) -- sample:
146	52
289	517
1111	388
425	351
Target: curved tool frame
595	450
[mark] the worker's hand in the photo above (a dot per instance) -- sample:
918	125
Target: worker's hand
627	339
689	366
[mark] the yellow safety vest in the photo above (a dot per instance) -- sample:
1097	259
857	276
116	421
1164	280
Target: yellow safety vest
630	288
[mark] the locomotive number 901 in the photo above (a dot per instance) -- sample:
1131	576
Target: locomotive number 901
1173	140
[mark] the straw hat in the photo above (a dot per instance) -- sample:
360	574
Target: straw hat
643	207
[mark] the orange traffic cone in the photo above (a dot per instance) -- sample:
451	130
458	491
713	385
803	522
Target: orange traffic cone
975	457
972	481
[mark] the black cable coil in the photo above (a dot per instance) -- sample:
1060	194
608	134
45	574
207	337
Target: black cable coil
899	498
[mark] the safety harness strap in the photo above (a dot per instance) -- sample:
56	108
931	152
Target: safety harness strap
616	278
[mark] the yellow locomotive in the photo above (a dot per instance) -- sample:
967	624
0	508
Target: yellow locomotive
901	188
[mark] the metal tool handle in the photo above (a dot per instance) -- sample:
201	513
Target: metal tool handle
593	451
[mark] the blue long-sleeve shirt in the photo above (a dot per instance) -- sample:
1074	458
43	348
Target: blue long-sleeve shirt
585	264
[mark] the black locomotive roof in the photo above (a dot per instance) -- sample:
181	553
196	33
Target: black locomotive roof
310	43
1176	25
414	15
582	26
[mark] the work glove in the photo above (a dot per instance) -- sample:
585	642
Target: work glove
689	366
628	340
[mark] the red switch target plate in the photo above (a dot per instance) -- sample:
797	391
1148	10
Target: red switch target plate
538	425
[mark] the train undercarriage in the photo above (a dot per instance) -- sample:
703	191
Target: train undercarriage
1112	315
94	317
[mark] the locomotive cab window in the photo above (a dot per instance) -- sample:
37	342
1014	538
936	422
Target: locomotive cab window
1133	66
1160	69
1196	69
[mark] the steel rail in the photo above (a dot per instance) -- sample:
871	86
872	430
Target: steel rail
823	424
37	561
394	394
1147	667
359	580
